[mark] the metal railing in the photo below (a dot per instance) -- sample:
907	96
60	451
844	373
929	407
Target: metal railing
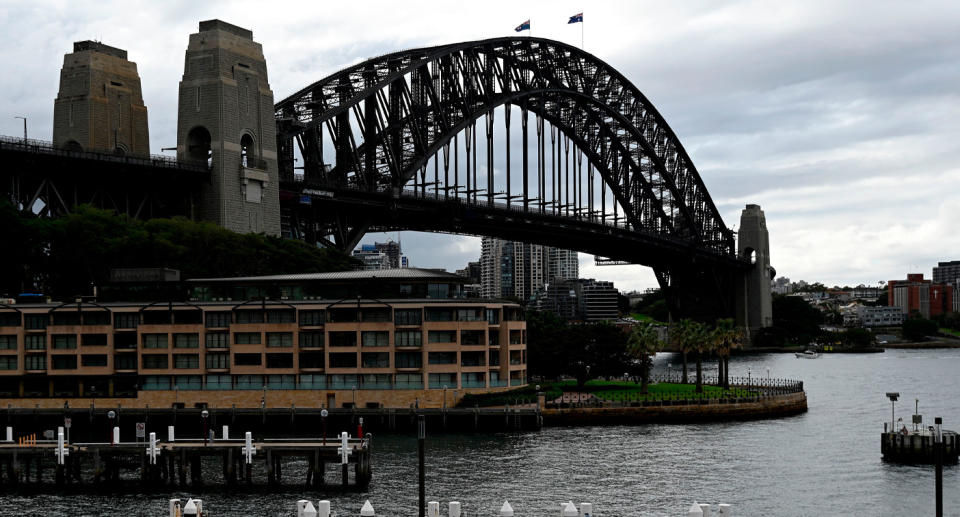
46	147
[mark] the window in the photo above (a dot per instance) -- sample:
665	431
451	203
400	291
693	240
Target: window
311	360
516	337
313	381
249	382
281	382
438	290
311	318
93	340
409	381
93	360
192	317
342	382
36	321
442	358
246	338
35	362
66	318
9	319
186	361
471	314
311	339
375	381
35	342
408	316
155	382
281	316
96	318
342	315
471	337
218	361
408	360
155	361
494	358
218	382
217	340
155	341
408	338
379	314
375	338
64	362
247	359
442	336
493	338
375	359
473	359
474	380
515	357
443	380
125	361
493	316
8	362
279	360
124	341
8	342
439	314
126	320
64	342
218	319
279	339
343	360
156	317
249	316
188	382
186	341
343	338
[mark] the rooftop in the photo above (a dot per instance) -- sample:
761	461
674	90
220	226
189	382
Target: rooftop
80	46
386	274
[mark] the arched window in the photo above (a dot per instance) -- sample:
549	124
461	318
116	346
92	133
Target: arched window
751	255
198	145
247	151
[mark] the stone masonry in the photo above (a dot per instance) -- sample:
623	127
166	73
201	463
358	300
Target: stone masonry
225	117
100	104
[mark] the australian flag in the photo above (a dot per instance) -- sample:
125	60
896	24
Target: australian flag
525	26
577	18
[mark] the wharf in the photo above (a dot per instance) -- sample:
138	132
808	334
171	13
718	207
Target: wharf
108	467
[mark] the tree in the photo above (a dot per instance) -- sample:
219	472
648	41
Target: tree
702	343
727	337
690	336
917	329
858	338
644	342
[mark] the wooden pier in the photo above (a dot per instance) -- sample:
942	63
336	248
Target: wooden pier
105	466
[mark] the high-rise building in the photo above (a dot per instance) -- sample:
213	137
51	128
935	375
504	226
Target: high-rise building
381	255
100	104
583	299
947	273
521	270
915	294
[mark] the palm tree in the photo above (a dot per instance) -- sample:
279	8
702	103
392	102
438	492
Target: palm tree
644	342
700	341
727	337
678	335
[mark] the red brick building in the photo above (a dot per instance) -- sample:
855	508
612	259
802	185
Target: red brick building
923	296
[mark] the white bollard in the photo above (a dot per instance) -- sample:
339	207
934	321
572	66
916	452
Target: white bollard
152	450
367	510
61	452
569	510
170	433
226	432
174	508
323	508
199	503
9	434
454	510
695	511
116	435
309	511
433	509
248	450
506	510
586	509
705	508
190	509
724	510
301	506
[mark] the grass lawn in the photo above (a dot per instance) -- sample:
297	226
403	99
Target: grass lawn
605	390
952	332
643	317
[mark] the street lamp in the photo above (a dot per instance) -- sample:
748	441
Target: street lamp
204	414
323	418
24	128
444	396
111	415
938	463
893	396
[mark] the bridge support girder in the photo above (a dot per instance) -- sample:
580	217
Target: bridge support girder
754	302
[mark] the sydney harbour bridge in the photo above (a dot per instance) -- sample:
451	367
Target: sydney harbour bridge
520	138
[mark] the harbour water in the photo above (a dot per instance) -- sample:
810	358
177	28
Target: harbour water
825	462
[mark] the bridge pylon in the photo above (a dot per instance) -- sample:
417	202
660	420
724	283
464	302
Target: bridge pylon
754	300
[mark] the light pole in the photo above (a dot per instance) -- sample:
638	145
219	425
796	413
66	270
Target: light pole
111	415
938	463
323	418
205	414
444	396
893	396
24	128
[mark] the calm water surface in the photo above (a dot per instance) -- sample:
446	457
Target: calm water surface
825	462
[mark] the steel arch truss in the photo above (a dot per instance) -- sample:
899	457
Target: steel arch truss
385	118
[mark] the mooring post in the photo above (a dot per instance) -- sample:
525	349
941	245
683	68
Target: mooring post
421	459
938	463
344	451
182	473
270	477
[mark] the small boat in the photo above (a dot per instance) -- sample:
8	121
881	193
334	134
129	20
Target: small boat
807	354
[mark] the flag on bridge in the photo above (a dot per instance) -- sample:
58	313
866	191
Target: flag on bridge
525	26
577	18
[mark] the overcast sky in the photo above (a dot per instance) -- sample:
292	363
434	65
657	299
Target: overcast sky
841	119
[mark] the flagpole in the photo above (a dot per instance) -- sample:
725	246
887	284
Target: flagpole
581	31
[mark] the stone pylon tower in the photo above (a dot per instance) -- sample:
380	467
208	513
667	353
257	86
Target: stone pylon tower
754	300
100	105
225	118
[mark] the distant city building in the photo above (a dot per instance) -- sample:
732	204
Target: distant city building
880	316
947	273
471	272
781	285
381	255
580	299
862	292
520	270
924	296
